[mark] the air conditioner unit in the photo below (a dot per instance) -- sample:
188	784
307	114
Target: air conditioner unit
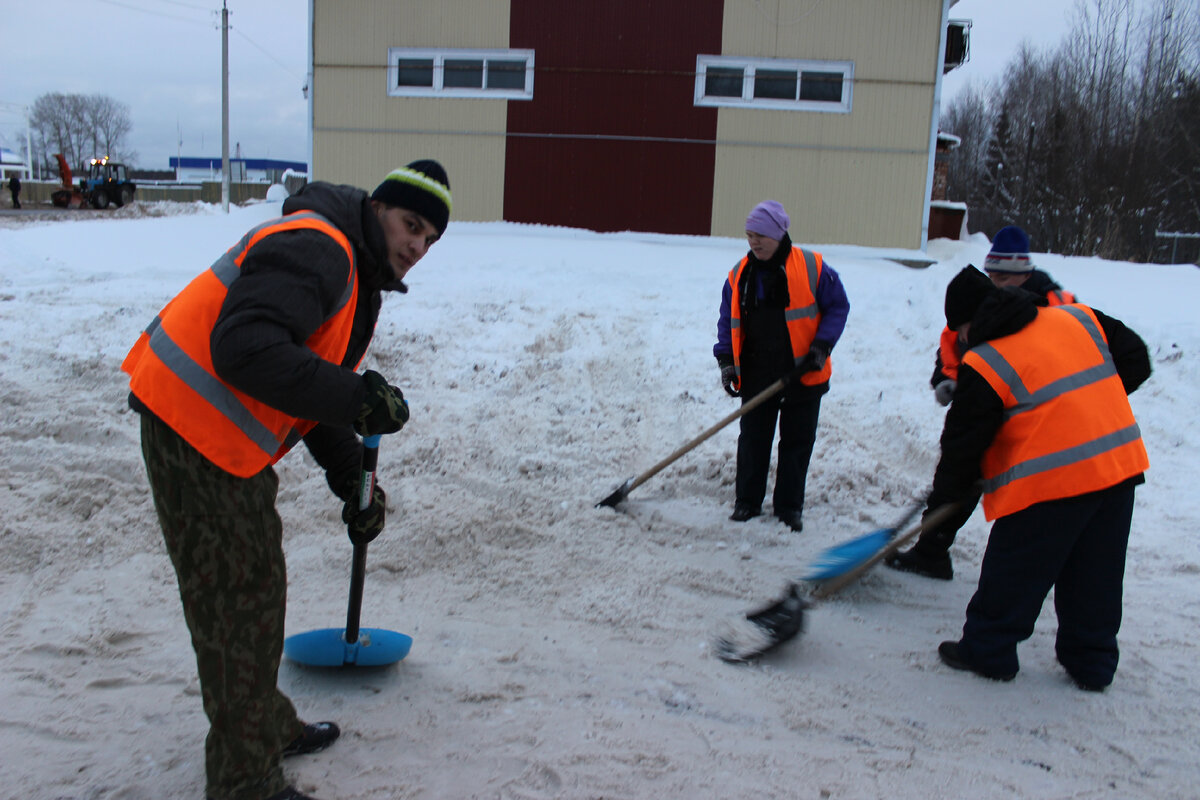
958	44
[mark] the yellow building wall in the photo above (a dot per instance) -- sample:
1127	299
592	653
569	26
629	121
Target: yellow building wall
855	178
360	133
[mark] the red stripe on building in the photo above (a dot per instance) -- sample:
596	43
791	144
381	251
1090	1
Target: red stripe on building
611	140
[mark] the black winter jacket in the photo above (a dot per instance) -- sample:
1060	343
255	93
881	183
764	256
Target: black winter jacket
1038	283
977	411
288	285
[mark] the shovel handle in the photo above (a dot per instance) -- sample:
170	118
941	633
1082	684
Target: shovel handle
746	407
935	518
358	570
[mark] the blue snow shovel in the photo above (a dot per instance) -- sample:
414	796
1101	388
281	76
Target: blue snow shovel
844	557
352	645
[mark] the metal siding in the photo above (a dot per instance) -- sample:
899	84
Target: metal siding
360	133
607	83
858	177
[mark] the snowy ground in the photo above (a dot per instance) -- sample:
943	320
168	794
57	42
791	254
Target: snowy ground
562	651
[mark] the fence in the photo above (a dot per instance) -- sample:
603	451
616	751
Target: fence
37	193
1175	237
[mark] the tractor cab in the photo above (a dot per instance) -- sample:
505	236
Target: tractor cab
107	182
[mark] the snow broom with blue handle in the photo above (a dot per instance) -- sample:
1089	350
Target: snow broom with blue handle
758	632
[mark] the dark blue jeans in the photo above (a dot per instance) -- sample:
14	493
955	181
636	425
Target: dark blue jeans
1075	545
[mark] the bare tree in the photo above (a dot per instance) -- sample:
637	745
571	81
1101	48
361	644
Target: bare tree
1093	146
80	127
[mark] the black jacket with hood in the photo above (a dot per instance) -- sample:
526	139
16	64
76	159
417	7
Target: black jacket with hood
289	283
1038	283
978	412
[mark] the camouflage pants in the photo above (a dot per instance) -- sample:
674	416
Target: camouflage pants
225	540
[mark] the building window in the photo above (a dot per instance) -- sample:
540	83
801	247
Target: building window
774	83
423	72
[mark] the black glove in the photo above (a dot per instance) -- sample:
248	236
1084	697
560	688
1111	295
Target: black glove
384	410
363	525
815	358
728	373
944	391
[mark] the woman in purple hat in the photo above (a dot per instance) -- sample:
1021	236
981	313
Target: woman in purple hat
782	311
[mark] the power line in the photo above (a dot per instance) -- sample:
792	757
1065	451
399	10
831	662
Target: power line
263	50
159	13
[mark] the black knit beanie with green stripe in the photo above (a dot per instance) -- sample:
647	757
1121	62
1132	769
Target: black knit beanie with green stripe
421	186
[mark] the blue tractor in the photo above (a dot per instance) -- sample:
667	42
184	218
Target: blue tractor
107	183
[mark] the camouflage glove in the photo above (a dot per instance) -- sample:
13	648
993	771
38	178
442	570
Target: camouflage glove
384	410
363	525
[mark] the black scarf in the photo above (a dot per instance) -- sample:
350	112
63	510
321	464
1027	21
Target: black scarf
770	275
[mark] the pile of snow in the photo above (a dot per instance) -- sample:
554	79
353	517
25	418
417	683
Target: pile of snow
563	651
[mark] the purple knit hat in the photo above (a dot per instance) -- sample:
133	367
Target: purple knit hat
768	219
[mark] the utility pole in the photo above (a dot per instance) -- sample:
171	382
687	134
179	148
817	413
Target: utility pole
225	106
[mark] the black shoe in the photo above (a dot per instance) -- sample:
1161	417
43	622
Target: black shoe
954	660
287	793
913	560
316	736
791	519
291	793
1086	685
743	512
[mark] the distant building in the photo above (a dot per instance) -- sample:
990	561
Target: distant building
11	163
241	170
676	116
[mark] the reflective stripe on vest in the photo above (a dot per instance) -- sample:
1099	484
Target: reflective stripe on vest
1072	434
802	317
171	371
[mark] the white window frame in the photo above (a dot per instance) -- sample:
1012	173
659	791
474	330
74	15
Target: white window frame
750	66
439	57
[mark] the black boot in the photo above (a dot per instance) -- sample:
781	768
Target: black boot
791	519
743	512
315	736
915	561
291	793
952	658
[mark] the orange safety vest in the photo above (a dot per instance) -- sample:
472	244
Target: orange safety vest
803	270
948	343
948	352
170	366
1068	428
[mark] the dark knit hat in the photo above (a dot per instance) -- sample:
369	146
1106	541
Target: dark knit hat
1010	251
965	294
423	187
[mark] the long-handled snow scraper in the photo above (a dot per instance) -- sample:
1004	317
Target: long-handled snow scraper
352	645
761	631
628	486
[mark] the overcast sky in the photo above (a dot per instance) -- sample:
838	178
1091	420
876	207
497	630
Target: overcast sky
163	59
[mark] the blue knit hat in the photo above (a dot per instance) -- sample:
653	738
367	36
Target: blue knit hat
1010	251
